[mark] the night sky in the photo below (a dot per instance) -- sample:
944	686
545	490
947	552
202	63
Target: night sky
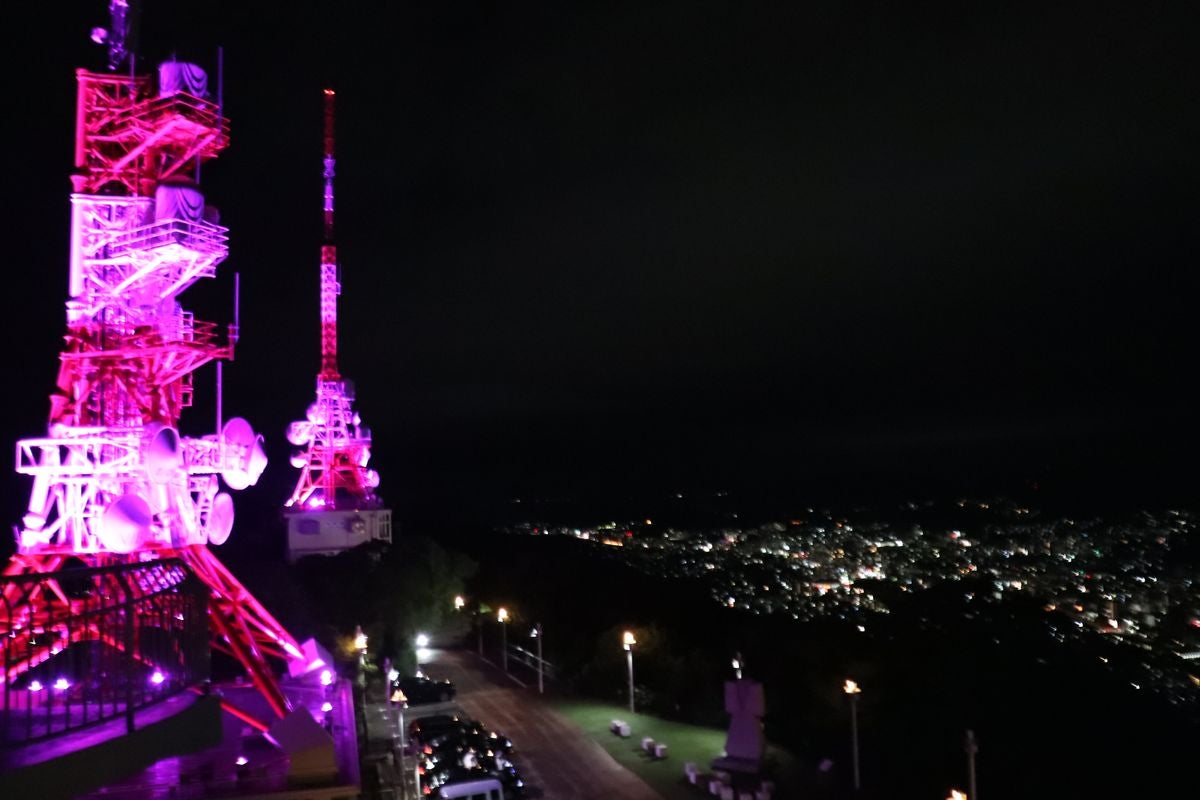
829	249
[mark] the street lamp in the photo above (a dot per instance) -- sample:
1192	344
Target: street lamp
851	689
955	794
502	615
459	602
628	641
399	701
536	633
737	665
360	639
972	747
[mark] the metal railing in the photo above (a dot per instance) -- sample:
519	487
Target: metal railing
82	646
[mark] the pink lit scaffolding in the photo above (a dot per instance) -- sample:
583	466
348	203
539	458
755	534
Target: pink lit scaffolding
114	483
334	506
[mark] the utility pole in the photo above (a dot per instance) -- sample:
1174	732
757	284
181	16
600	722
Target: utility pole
972	748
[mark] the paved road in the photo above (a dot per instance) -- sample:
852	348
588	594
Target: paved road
557	760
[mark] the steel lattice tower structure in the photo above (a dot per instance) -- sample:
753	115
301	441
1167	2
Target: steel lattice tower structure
334	506
113	481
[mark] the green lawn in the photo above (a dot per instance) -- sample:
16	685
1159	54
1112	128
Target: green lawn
684	742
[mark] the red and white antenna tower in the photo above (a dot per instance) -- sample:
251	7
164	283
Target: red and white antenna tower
334	506
113	481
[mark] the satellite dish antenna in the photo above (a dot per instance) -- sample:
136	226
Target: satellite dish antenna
125	524
162	455
220	519
244	458
299	433
317	414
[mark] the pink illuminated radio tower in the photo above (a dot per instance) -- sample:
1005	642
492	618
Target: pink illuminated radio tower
334	506
113	480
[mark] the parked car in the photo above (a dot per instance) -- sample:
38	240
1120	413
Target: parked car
422	729
419	690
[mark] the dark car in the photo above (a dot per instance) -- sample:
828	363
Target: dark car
423	729
419	691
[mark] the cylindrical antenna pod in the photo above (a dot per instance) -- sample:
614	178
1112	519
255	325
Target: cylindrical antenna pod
125	524
220	519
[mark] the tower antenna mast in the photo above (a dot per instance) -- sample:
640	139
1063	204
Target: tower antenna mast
330	288
334	506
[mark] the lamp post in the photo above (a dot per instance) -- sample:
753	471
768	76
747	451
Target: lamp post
628	641
399	700
972	747
853	691
502	615
536	633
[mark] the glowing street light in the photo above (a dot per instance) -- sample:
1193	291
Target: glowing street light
628	642
422	640
360	639
955	794
502	615
737	665
459	602
853	691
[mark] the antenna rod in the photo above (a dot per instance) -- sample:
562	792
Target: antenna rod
220	391
220	81
329	266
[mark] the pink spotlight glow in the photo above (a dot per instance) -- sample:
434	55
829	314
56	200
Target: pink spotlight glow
292	650
316	662
242	761
35	686
157	677
62	684
327	706
326	677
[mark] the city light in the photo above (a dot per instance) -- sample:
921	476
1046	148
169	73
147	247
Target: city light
157	677
35	686
62	684
327	706
459	602
628	640
422	640
851	687
502	614
326	677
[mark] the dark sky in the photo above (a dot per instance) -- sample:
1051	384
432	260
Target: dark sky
830	247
